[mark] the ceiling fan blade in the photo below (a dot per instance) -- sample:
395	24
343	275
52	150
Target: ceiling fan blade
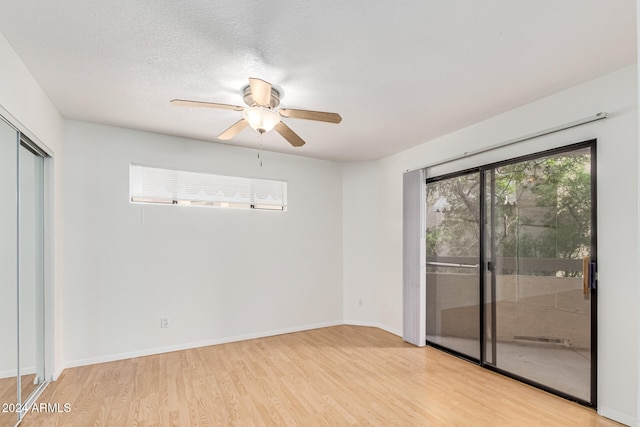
320	116
289	135
260	91
234	129
187	103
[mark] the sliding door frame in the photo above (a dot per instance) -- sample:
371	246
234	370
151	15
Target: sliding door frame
31	143
591	144
479	361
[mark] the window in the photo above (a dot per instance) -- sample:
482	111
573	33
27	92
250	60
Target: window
149	184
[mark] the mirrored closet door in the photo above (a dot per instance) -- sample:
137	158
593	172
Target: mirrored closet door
30	273
8	270
22	367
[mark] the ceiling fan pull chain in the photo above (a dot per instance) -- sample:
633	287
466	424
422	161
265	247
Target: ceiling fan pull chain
260	150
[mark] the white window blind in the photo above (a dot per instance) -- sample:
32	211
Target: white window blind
149	184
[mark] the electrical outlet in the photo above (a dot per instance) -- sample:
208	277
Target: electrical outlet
360	302
164	322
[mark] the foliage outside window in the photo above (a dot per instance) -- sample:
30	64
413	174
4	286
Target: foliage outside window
542	210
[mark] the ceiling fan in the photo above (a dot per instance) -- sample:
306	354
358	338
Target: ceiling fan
261	114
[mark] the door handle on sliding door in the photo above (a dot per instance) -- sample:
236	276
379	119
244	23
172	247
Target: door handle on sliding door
588	275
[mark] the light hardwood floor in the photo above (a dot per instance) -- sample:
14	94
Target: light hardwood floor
9	395
338	376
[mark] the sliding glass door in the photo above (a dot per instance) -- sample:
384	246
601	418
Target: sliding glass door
453	261
534	315
540	249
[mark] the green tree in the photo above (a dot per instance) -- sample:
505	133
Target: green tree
454	205
566	190
542	210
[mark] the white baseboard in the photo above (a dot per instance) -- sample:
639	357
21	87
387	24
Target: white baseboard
12	372
373	325
7	374
619	417
57	372
186	346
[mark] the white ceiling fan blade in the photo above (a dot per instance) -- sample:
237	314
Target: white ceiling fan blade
319	116
289	135
187	103
234	129
260	91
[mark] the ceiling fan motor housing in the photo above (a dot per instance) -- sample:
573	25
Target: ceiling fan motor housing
248	98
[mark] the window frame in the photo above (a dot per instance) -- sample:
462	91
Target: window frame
176	187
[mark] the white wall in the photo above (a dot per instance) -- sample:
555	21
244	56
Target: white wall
617	218
22	97
361	261
27	107
218	274
638	235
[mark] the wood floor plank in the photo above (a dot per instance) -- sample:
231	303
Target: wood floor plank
343	375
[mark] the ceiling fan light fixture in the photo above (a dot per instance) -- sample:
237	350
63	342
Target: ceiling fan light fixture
261	119
262	98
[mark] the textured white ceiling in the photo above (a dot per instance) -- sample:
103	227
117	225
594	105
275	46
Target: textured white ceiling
399	73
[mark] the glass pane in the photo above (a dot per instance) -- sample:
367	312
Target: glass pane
538	326
453	253
8	271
